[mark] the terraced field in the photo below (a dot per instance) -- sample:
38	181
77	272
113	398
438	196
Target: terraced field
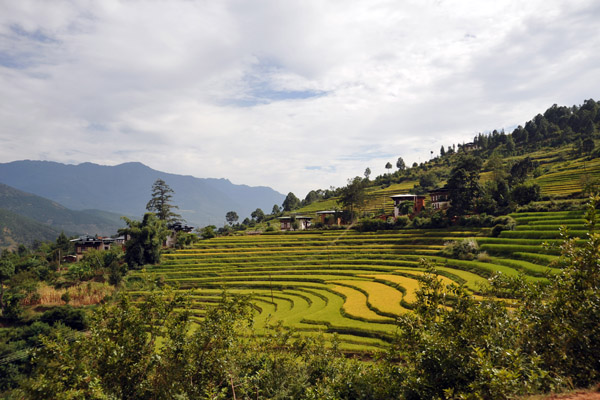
350	283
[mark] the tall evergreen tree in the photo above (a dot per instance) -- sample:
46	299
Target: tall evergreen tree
160	203
463	184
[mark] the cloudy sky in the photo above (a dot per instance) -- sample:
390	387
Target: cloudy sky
296	95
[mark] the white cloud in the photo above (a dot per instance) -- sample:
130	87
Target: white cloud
259	91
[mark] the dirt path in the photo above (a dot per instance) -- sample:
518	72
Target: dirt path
576	395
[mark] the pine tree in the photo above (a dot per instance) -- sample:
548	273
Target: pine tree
160	203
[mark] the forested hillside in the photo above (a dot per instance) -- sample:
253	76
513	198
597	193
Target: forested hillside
17	229
552	158
52	217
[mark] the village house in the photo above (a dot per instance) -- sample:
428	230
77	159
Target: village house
176	227
86	243
440	198
417	200
467	147
304	222
330	217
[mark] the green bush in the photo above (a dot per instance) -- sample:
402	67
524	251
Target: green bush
465	249
74	318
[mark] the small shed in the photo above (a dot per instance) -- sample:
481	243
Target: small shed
304	222
417	199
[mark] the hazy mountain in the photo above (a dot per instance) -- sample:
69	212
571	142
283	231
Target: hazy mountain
56	216
125	189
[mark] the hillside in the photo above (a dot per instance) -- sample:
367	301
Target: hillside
17	229
125	189
56	216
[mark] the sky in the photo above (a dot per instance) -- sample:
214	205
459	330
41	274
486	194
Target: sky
295	95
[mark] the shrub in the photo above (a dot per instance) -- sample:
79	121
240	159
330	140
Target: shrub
526	193
465	249
402	222
503	223
484	257
72	317
420	222
373	225
476	220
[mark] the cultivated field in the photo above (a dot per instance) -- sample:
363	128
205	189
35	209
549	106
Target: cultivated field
353	284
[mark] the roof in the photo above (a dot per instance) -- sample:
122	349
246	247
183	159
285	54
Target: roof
297	217
92	240
443	189
406	196
328	212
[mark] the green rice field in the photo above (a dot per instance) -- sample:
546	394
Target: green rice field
353	284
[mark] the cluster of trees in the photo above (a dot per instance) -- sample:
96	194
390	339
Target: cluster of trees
558	125
509	187
451	346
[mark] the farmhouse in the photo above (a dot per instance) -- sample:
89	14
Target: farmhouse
287	223
440	198
330	217
175	228
467	147
417	200
86	243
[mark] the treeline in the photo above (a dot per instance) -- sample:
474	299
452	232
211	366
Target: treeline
557	126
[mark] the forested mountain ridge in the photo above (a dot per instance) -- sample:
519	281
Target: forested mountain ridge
125	189
53	216
17	229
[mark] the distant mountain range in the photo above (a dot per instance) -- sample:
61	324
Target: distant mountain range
125	189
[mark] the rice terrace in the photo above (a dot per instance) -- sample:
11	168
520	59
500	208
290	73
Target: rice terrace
354	284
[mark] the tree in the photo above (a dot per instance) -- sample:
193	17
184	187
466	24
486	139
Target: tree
588	145
7	269
428	180
310	198
521	169
258	215
145	240
276	210
388	166
400	164
160	203
525	193
231	217
208	232
442	151
291	202
367	173
510	145
353	195
463	184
